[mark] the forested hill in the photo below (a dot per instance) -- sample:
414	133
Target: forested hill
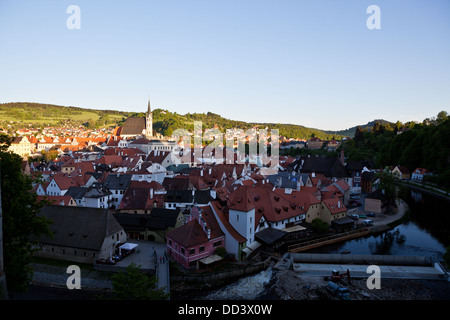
414	145
164	121
350	132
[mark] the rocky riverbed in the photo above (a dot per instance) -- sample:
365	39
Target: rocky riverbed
289	285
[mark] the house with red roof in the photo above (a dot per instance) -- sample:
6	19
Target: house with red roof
419	173
58	200
142	197
401	172
250	209
196	241
314	143
332	209
59	184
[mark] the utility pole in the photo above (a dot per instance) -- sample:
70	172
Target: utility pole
3	290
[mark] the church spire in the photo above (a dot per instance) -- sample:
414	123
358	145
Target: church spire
149	122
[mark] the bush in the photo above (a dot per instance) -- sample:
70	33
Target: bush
319	226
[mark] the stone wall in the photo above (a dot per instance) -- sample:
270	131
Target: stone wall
237	272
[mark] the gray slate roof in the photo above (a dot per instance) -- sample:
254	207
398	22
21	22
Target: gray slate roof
288	179
118	182
79	227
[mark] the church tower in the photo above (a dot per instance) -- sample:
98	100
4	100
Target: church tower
149	123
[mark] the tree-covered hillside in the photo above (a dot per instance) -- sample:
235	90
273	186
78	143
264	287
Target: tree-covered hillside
414	145
164	122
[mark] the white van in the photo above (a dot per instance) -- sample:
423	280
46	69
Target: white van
368	223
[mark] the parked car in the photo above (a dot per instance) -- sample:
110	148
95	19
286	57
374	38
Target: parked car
371	214
354	203
354	217
362	216
368	223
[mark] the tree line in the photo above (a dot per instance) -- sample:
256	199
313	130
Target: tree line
413	145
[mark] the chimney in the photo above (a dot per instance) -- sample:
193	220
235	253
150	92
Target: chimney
151	193
201	172
208	233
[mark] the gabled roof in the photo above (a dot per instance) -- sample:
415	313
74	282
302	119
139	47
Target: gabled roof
330	167
109	160
335	205
420	171
179	196
157	156
222	215
133	126
79	227
76	192
176	183
56	200
274	206
342	185
64	182
189	234
118	181
139	199
159	218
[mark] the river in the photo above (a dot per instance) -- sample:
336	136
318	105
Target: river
425	231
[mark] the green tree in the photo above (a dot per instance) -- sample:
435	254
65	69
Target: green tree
441	117
387	184
319	226
20	219
133	284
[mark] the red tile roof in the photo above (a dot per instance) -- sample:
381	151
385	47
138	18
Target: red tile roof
189	234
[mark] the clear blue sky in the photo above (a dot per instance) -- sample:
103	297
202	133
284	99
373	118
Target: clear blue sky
313	63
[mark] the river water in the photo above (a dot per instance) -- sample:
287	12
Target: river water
425	232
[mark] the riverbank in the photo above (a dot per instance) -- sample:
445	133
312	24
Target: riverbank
290	285
383	222
429	190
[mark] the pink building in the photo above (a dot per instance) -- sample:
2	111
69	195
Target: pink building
196	240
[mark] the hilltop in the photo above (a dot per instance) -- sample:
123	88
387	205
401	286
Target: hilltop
350	132
19	114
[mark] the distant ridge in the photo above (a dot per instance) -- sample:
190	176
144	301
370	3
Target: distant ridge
351	131
164	121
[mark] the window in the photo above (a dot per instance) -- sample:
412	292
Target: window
192	251
201	249
217	243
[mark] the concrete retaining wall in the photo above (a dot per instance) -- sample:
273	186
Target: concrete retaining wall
362	259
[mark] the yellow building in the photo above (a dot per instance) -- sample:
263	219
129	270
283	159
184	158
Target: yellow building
22	146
